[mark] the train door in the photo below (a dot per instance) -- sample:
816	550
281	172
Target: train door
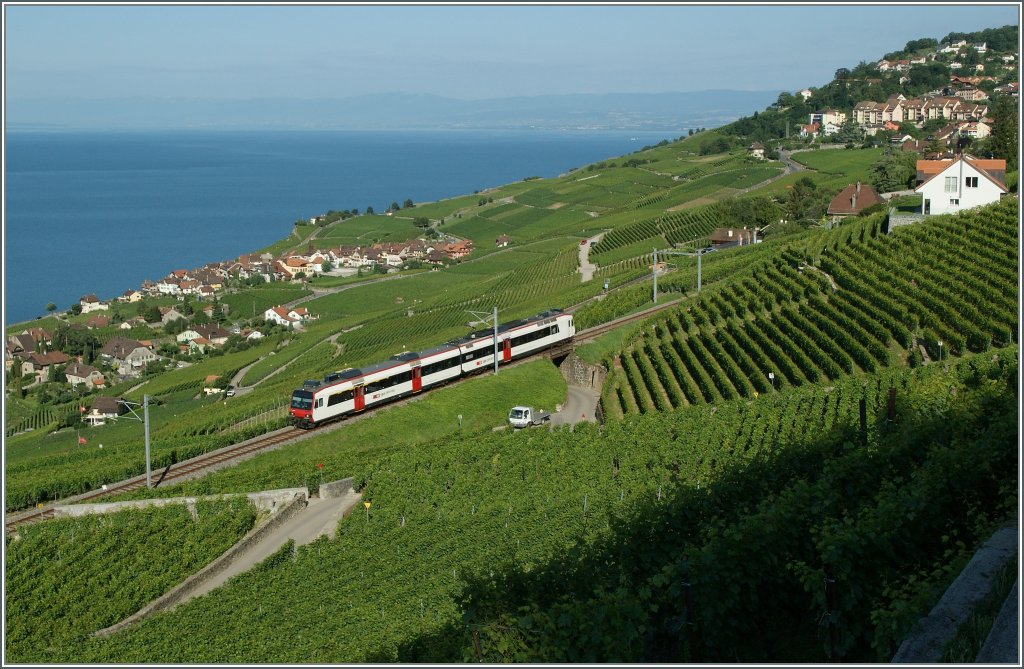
506	350
417	379
360	401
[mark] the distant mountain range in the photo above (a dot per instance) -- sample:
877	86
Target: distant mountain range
613	111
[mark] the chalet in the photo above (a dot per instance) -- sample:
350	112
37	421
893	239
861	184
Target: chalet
285	316
806	94
97	322
756	150
727	237
169	286
975	130
852	200
215	333
964	183
128	354
40	364
503	241
132	322
199	345
131	296
78	373
90	303
810	130
1012	88
21	345
103	409
458	249
168	314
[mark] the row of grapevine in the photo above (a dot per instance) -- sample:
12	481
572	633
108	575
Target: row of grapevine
843	318
474	548
68	578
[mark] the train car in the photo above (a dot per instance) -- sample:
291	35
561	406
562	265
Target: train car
354	390
516	339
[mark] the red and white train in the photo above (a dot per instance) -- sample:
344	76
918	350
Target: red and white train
352	391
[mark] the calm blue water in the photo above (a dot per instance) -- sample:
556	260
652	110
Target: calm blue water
101	212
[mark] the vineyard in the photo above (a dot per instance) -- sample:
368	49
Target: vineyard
873	300
477	548
121	560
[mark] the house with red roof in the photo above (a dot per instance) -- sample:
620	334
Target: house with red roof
852	200
951	186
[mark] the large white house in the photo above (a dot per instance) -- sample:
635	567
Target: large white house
285	316
963	183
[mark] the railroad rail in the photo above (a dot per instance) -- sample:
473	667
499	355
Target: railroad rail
207	462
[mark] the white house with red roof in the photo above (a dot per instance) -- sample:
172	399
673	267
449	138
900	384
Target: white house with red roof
287	317
91	303
963	183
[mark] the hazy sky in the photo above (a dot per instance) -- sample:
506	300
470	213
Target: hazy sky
457	51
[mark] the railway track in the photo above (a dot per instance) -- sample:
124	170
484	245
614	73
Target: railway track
208	462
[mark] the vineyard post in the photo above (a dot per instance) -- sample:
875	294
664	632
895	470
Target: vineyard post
145	414
864	421
654	272
699	256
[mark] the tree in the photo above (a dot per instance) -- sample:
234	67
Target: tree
152	314
1005	136
848	132
421	222
895	170
76	308
369	211
326	266
408	204
51	307
394	206
925	43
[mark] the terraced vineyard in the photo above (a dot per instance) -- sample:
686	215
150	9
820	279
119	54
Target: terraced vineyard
70	577
474	548
657	232
873	300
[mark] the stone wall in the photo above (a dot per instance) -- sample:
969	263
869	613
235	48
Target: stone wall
896	220
582	374
267	500
335	488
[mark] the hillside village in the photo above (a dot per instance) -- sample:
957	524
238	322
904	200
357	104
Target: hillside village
938	125
976	76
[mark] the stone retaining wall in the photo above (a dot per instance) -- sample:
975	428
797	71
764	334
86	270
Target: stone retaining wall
582	374
925	643
267	500
185	588
335	488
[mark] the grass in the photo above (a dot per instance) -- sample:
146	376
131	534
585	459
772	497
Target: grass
482	402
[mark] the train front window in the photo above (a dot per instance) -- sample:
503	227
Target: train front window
302	399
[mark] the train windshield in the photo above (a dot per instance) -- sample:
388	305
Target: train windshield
302	399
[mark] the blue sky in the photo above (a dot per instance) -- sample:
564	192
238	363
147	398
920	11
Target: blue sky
474	52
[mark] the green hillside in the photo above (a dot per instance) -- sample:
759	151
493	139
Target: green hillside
732	476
